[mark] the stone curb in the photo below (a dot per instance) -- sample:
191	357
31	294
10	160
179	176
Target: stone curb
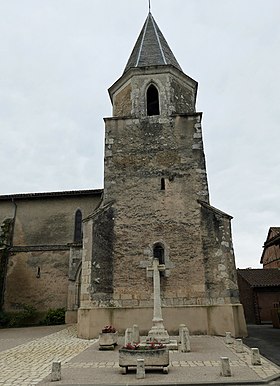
230	383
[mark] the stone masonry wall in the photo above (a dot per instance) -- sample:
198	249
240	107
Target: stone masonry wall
43	291
49	221
155	181
220	271
177	93
123	103
102	255
138	154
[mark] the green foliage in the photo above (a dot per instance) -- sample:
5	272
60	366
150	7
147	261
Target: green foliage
5	241
4	254
54	316
5	230
27	316
4	319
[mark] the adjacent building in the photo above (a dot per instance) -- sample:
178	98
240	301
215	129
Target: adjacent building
259	293
271	250
41	248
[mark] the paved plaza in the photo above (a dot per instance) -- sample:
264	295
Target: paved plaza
26	356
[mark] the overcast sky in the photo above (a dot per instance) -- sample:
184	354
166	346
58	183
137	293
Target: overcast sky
59	57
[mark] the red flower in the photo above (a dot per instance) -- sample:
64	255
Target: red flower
109	329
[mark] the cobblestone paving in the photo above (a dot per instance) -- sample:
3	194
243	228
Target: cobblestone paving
243	360
29	363
172	364
263	371
266	369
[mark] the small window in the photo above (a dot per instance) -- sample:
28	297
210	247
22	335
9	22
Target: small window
162	184
78	236
158	253
152	101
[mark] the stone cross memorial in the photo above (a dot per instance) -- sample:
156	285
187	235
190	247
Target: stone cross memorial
157	332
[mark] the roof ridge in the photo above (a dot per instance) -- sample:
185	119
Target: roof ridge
50	194
142	41
159	42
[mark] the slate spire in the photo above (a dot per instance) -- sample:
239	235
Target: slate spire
151	48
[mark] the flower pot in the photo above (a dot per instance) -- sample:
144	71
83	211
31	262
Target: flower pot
152	357
108	340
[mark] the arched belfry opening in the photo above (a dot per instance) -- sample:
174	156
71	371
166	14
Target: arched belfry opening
152	101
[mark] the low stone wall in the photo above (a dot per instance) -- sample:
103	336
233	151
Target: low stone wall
211	320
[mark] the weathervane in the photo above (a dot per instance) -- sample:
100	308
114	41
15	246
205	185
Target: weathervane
149	6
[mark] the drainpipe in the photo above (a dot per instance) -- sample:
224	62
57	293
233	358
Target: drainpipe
14	222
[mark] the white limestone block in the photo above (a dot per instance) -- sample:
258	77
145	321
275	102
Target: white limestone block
56	371
135	334
228	338
239	346
140	370
225	367
256	358
128	336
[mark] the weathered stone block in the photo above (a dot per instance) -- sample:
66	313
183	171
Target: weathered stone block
108	340
56	371
225	367
255	357
155	357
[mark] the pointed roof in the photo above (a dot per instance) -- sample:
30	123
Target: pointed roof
151	48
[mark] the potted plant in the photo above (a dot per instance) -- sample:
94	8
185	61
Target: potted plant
108	338
154	354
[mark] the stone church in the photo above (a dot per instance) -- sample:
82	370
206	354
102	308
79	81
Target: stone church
92	250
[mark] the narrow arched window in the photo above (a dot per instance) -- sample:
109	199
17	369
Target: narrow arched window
152	101
78	235
158	253
162	184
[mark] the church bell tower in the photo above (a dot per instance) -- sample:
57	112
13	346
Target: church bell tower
156	205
